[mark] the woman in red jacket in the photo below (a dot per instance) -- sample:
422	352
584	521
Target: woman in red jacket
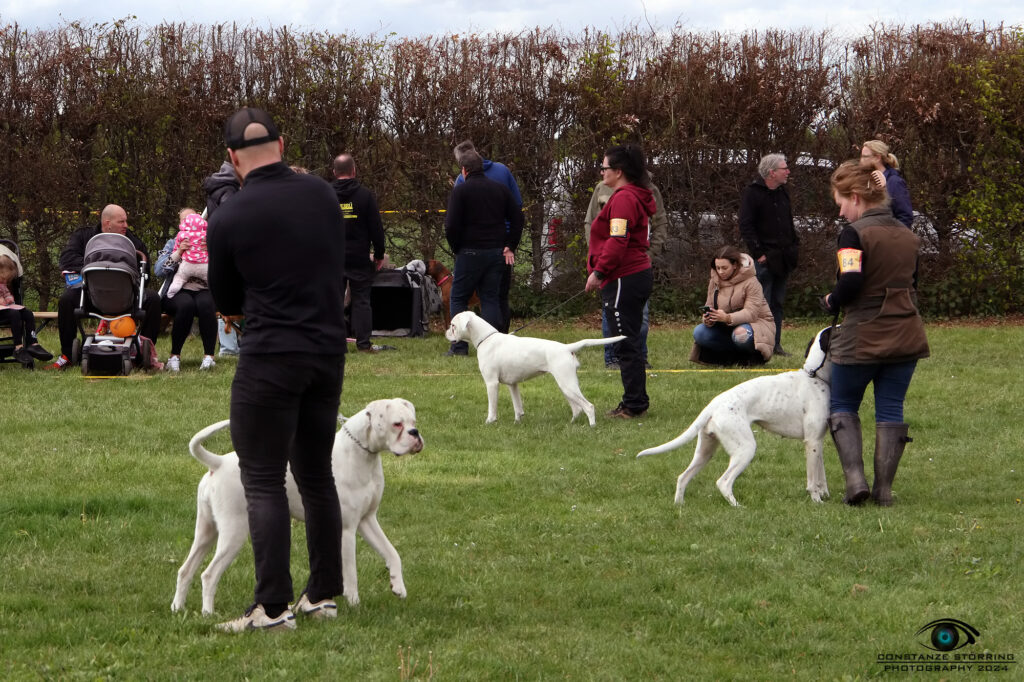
617	263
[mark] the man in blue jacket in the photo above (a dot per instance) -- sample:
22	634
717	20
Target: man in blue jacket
500	173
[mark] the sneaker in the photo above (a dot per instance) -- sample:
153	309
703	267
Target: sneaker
60	363
368	349
623	412
208	363
38	352
612	366
452	353
22	355
256	619
173	364
321	610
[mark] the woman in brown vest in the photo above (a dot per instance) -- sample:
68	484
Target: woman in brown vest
882	335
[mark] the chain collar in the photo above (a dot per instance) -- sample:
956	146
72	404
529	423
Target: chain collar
356	440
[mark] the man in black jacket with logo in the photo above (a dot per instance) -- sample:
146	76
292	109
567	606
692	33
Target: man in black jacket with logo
363	229
277	255
475	227
766	225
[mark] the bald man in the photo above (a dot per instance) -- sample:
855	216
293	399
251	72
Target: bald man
113	218
277	256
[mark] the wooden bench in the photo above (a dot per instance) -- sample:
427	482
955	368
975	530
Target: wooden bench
46	318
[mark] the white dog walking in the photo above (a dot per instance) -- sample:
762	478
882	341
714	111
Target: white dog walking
509	360
792	404
358	474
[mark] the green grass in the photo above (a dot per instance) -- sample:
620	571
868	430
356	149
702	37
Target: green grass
536	551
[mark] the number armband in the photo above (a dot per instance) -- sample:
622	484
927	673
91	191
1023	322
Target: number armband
850	260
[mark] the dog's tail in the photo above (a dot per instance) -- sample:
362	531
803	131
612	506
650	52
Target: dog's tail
573	347
208	459
682	439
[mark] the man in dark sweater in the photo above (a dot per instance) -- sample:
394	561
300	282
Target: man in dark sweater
475	227
766	225
363	229
277	253
113	218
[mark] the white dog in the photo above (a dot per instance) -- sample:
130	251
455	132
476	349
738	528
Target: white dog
509	360
793	404
358	474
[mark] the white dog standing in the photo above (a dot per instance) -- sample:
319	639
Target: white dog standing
509	360
792	404
358	474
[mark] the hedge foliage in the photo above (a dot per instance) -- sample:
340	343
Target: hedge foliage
130	114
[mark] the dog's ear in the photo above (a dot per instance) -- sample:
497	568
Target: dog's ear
826	338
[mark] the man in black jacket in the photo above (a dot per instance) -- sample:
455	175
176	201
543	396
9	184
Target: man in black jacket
475	227
277	255
363	229
113	218
766	225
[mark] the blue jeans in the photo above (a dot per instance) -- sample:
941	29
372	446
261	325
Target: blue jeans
725	338
891	382
478	270
606	330
774	288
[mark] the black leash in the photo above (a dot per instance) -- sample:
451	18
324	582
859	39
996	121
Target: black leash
550	311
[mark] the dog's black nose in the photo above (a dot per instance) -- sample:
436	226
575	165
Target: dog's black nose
415	433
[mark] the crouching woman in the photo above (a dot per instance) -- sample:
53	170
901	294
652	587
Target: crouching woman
737	326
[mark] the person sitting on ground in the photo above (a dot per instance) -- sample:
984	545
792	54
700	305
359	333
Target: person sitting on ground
113	218
737	326
19	318
193	301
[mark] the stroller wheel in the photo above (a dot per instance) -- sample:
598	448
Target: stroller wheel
85	365
76	351
145	358
127	366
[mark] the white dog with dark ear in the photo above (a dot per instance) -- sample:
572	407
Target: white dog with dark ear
509	360
358	474
792	404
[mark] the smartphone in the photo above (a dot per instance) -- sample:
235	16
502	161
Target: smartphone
705	309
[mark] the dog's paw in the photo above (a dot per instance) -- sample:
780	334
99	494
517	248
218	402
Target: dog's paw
398	590
352	598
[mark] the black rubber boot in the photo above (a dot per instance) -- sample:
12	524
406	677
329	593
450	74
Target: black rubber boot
845	428
890	440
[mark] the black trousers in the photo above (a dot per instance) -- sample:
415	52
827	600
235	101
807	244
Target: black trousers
503	300
623	302
67	327
22	323
360	283
186	306
284	411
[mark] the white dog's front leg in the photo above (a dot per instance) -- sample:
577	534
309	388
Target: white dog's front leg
517	401
817	486
374	535
348	565
492	401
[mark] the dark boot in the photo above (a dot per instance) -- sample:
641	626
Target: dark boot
845	428
890	439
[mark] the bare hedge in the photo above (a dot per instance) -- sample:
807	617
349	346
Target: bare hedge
129	114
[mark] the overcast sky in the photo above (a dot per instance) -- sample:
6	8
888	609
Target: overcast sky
418	17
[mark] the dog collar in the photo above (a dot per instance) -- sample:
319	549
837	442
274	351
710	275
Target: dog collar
356	440
814	375
481	341
444	279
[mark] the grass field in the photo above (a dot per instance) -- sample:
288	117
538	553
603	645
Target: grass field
536	551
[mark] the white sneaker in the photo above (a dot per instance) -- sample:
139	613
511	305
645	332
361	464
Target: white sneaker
325	608
208	363
173	364
256	619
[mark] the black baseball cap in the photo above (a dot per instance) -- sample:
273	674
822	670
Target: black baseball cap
234	128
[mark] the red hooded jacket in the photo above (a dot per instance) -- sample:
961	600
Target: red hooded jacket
620	234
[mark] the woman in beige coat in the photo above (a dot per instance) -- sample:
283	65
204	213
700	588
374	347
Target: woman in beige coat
737	324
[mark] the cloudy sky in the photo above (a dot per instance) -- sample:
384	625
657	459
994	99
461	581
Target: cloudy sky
419	17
